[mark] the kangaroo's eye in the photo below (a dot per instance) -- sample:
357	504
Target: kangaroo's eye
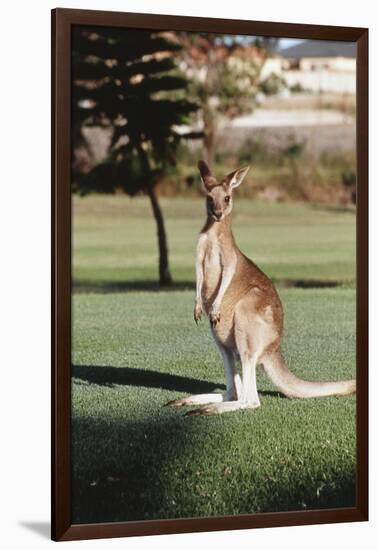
227	198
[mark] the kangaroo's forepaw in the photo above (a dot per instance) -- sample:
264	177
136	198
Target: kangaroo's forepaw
214	318
197	313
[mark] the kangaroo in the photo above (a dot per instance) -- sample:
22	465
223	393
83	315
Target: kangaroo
245	312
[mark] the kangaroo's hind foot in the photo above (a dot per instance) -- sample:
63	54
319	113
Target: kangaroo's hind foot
201	399
220	408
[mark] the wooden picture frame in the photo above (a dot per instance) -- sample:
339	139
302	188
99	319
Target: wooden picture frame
62	22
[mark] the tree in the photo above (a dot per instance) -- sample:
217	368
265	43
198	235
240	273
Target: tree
127	81
225	77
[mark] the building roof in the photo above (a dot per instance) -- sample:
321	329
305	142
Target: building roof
320	48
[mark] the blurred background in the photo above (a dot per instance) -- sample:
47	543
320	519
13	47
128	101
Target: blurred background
147	106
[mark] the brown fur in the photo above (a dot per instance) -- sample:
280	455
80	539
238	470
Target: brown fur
244	309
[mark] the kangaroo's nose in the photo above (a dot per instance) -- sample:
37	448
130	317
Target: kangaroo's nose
218	214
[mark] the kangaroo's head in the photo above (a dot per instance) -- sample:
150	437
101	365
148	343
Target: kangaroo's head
219	193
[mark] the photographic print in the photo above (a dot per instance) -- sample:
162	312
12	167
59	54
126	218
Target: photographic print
213	182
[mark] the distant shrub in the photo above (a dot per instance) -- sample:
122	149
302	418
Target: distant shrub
297	88
343	161
286	172
294	150
272	84
255	151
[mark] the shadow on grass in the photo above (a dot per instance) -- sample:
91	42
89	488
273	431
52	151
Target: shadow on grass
307	283
159	469
337	209
120	468
113	287
128	376
110	376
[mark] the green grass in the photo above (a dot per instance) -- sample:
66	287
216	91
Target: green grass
134	350
115	239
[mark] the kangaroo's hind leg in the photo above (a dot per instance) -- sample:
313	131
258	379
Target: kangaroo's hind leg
233	385
247	394
253	334
233	381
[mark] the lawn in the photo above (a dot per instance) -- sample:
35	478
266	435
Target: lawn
135	348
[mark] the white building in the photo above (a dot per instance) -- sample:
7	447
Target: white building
318	65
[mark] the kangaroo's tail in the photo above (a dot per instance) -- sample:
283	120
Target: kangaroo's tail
292	386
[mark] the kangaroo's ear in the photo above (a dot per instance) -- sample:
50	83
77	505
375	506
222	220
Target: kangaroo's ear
207	177
204	169
235	178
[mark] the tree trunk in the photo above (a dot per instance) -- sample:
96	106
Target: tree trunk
165	278
209	145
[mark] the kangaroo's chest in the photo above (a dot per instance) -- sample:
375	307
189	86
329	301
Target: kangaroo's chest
212	269
212	258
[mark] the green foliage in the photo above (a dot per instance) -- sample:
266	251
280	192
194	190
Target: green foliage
127	174
128	81
297	88
281	169
224	74
344	161
294	149
229	90
255	151
272	84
